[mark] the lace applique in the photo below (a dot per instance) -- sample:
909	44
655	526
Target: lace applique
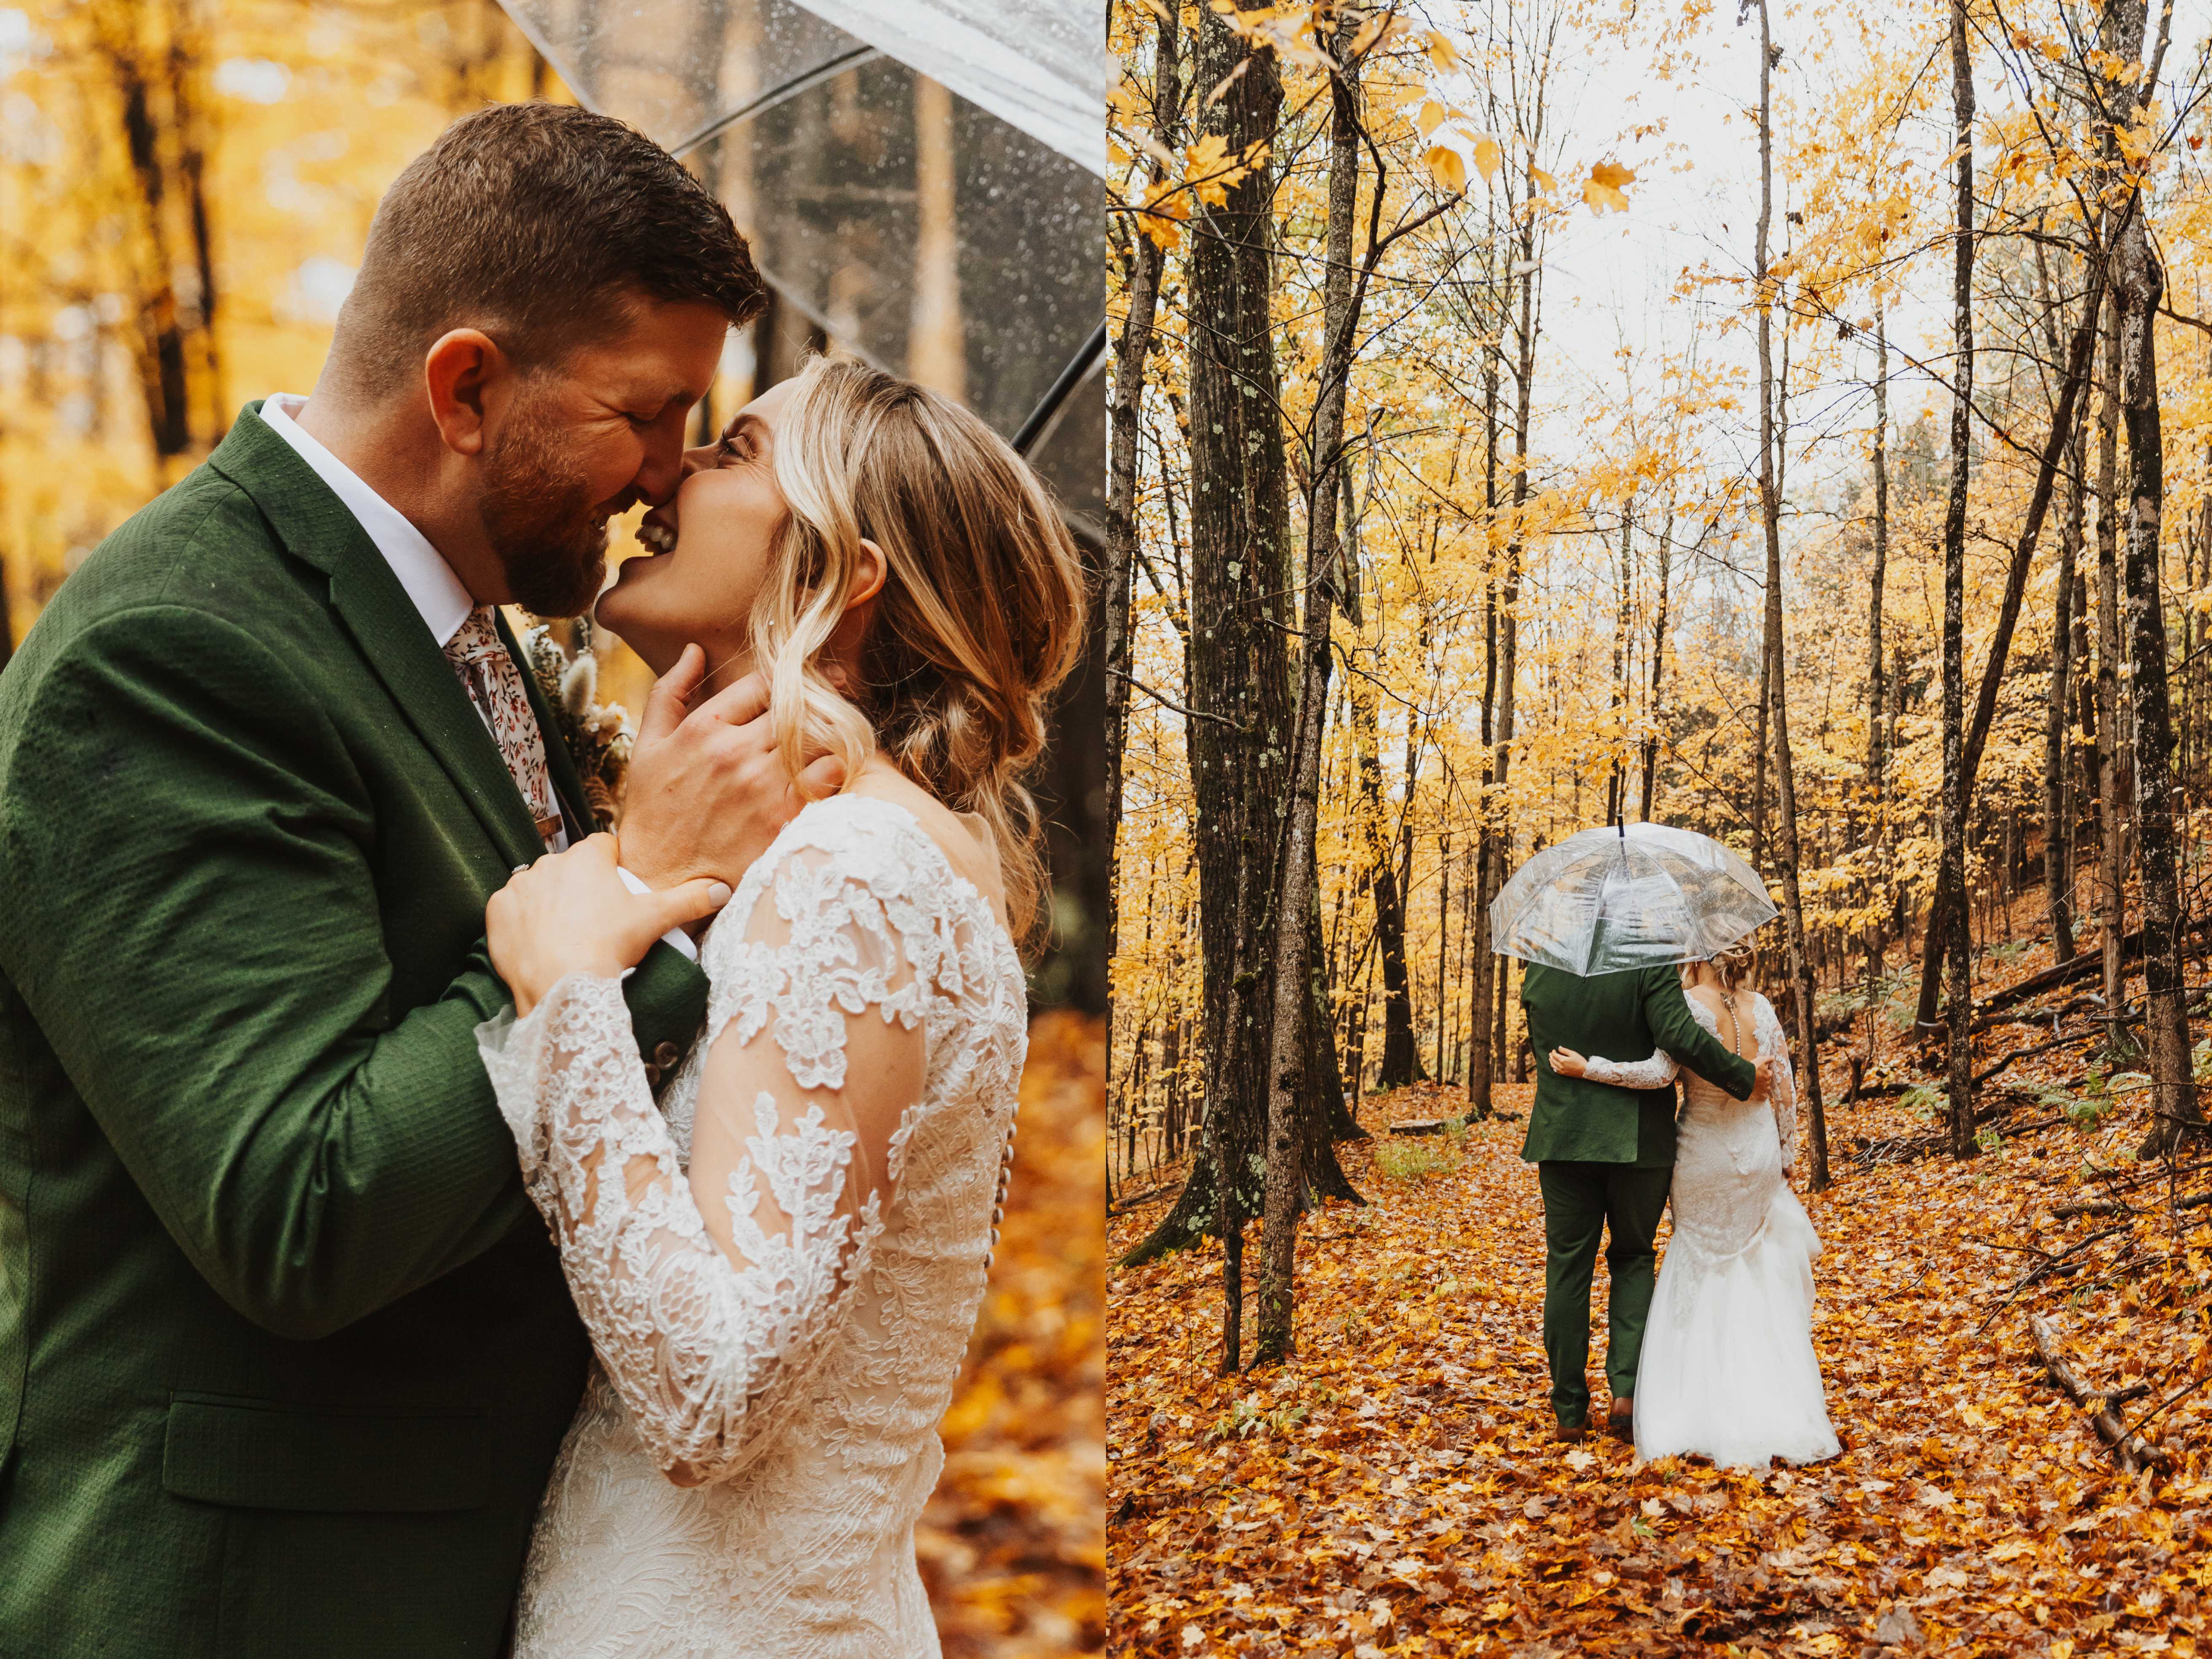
1728	1162
1656	1072
1774	1044
816	1354
695	1342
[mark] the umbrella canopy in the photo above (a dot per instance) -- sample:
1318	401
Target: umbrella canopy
922	183
1605	901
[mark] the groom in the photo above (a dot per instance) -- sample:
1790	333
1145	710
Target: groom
285	1354
1605	1157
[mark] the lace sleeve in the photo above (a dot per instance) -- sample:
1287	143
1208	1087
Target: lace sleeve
1653	1073
1774	1044
712	1297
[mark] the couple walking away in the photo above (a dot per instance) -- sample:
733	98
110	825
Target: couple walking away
1718	1360
357	1297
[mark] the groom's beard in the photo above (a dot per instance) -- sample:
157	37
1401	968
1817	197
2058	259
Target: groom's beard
550	536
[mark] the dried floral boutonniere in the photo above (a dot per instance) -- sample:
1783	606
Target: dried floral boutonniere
597	736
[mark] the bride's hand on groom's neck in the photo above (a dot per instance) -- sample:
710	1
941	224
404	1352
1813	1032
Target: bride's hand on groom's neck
706	790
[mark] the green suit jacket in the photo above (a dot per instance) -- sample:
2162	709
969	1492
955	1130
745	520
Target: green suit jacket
285	1354
1626	1016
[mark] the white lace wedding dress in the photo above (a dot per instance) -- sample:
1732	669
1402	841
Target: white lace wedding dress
788	1354
1728	1367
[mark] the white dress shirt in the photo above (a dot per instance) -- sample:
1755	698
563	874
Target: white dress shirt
438	594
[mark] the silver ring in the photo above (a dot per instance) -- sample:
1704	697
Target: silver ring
517	870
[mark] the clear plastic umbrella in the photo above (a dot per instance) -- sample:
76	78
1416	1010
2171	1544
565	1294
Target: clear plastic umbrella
1604	900
923	183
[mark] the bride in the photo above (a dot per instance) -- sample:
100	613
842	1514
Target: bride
779	1264
1727	1368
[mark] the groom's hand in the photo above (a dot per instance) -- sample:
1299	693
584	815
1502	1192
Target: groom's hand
1762	1085
706	790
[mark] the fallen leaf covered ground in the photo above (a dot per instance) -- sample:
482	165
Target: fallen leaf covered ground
1394	1488
1013	1544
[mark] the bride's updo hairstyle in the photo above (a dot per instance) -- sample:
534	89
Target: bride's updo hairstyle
1733	966
980	618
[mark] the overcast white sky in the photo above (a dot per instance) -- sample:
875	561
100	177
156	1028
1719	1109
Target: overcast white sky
1609	279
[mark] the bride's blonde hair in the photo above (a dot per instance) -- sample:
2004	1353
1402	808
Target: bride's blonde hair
980	618
1733	967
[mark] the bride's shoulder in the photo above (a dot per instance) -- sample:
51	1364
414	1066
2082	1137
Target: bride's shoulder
847	821
883	843
832	850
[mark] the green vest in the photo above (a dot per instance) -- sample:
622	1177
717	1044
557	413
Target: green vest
1624	1016
285	1353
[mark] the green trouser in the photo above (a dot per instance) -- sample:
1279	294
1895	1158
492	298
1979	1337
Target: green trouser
1580	1201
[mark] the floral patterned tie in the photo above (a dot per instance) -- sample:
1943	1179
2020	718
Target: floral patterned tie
487	674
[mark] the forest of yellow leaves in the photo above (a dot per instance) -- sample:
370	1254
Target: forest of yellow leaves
227	241
1783	421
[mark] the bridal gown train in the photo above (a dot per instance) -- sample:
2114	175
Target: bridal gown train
1728	1367
800	1386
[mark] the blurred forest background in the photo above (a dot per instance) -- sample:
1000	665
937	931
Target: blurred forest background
185	189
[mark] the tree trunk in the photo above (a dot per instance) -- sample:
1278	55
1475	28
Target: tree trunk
2139	286
1951	874
1239	690
1509	595
1441	1069
2111	785
1650	797
1329	1114
1401	1062
1770	506
1759	722
1145	260
2057	861
1296	920
192	146
1616	783
1876	697
1480	1064
162	372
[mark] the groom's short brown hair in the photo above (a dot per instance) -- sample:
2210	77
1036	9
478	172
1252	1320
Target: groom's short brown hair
538	224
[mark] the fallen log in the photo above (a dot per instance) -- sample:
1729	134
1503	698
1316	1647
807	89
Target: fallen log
2034	1016
2090	1206
1898	1085
2052	1266
2083	967
1123	1206
2114	1207
1980	1077
1424	1125
1903	1149
2128	1177
2132	1450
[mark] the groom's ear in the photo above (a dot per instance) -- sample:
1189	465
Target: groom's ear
456	374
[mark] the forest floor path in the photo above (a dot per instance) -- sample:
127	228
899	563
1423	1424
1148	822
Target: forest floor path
1395	1489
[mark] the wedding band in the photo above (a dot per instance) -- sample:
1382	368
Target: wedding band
518	870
